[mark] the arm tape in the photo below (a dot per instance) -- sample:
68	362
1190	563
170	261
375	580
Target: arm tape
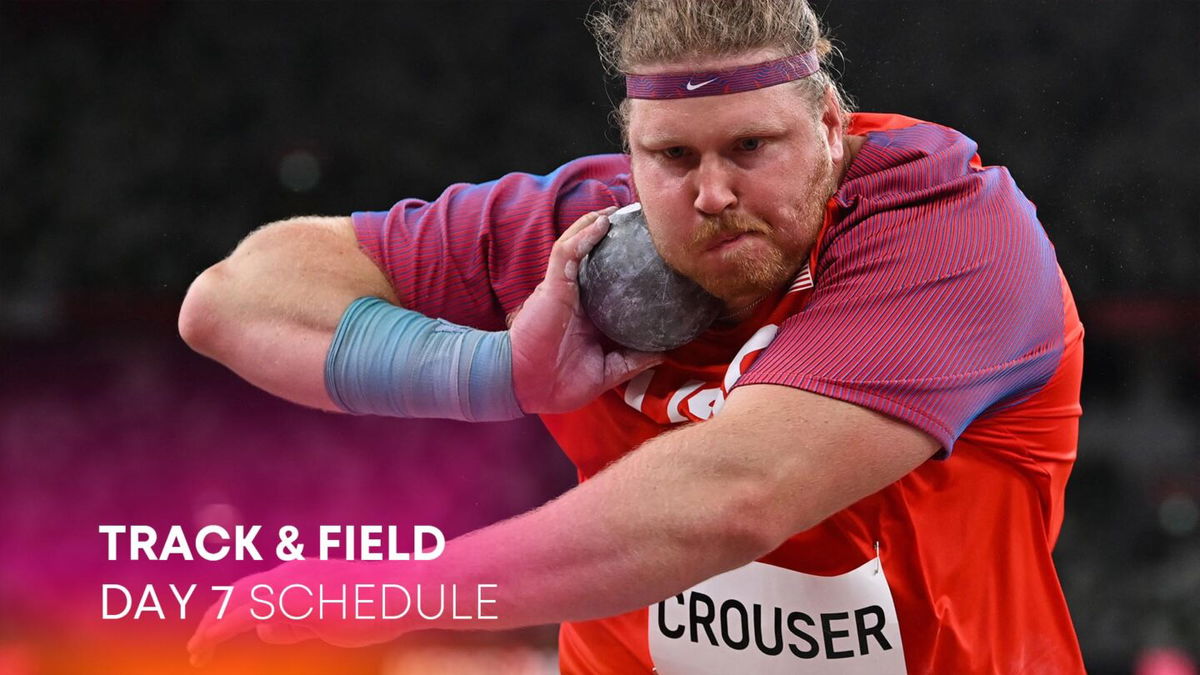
387	360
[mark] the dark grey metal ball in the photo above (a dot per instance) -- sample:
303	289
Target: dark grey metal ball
632	295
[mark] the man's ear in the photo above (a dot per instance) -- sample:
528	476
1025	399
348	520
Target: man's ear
832	126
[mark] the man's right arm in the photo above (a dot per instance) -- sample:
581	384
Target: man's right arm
269	310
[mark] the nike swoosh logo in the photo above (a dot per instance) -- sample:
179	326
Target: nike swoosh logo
694	87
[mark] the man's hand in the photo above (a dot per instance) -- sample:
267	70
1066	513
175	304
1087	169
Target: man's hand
231	615
557	360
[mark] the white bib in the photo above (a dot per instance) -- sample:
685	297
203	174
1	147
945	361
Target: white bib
768	620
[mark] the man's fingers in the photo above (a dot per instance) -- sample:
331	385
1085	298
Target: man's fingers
194	645
210	633
200	628
620	366
575	243
590	236
584	220
233	604
284	633
581	244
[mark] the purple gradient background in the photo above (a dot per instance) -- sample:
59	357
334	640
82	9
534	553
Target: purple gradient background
129	427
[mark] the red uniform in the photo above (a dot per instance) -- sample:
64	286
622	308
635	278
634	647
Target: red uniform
932	296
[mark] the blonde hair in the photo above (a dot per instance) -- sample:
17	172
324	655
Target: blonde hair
633	34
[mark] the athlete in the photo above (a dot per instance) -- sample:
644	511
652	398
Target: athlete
859	469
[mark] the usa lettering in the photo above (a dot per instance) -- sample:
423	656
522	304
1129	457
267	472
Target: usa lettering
692	399
773	631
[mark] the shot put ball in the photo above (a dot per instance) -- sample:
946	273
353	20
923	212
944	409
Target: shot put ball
633	297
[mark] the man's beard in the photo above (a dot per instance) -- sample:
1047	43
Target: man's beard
748	271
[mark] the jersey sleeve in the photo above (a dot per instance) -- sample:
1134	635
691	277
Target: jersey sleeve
931	311
475	253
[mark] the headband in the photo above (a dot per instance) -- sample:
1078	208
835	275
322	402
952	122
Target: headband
732	81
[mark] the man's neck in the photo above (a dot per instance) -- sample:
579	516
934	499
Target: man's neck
851	146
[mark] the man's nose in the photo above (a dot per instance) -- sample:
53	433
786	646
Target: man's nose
714	187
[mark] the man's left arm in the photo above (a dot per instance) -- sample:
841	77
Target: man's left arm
685	506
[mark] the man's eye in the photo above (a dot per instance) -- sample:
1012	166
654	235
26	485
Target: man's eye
673	153
750	144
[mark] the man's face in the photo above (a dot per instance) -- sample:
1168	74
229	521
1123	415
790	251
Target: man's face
734	186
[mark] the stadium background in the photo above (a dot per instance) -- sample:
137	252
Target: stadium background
139	141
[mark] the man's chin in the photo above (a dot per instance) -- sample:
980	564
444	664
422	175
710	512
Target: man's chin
744	279
741	289
740	296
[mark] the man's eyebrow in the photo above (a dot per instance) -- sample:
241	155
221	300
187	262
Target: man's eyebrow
760	129
658	140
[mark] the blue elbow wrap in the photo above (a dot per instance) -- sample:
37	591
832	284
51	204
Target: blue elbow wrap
387	360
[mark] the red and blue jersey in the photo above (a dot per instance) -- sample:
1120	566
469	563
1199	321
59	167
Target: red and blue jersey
932	296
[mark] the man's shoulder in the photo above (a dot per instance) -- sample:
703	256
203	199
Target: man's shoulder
926	179
601	166
904	154
607	169
584	184
918	195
